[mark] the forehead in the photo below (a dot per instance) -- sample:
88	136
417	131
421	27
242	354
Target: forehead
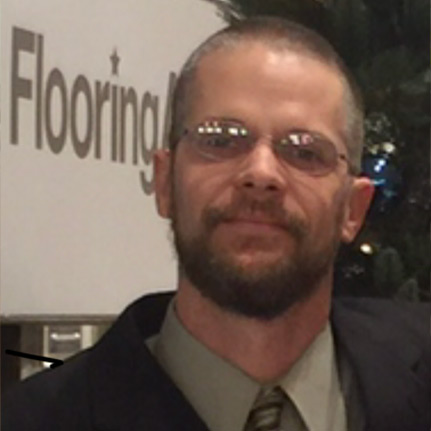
269	85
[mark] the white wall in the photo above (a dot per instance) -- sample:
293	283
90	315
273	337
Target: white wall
78	232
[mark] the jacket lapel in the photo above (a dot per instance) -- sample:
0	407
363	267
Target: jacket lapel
129	389
387	365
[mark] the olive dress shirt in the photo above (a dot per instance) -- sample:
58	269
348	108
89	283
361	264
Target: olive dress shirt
223	395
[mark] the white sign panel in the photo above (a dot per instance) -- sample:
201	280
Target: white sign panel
84	102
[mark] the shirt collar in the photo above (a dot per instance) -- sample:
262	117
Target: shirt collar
313	385
223	395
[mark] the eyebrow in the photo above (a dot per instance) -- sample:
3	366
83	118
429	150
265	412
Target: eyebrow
229	119
314	133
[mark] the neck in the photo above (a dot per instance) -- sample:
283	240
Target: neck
265	350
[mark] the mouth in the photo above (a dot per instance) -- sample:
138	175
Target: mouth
255	226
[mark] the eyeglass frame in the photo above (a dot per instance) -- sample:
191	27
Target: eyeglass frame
255	138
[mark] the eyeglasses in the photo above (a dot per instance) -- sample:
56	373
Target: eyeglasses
223	140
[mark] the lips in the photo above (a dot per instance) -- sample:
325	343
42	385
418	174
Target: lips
255	224
255	220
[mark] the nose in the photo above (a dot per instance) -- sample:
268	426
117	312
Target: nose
260	173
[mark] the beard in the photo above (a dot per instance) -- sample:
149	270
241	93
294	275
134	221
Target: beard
262	292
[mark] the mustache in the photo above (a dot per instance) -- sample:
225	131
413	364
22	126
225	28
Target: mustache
246	207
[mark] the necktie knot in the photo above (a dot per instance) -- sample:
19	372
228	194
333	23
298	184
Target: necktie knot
265	414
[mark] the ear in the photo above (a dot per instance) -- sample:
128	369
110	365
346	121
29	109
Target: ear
162	175
361	194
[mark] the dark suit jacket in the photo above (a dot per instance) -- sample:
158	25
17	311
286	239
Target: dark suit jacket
117	385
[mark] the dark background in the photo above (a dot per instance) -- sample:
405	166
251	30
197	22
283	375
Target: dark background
386	45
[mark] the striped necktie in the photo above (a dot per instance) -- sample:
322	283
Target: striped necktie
265	414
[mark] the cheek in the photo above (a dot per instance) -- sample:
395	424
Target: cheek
324	211
183	207
332	218
195	191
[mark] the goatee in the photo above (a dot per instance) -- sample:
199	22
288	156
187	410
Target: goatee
261	293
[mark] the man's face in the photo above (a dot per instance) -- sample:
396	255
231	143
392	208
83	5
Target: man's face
254	234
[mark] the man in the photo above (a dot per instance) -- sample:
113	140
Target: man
260	185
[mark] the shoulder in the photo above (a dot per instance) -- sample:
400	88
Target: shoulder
387	344
414	316
66	397
402	328
51	399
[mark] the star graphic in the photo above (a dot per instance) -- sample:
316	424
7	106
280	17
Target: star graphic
115	60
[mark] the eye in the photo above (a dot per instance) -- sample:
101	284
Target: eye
309	154
215	142
221	140
303	150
